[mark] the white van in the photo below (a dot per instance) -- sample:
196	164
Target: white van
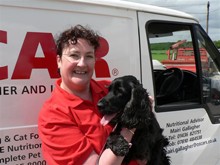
186	88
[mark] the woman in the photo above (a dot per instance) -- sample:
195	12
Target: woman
69	121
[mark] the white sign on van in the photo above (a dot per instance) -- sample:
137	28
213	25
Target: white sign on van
189	135
21	147
186	134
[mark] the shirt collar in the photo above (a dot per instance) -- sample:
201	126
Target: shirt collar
95	88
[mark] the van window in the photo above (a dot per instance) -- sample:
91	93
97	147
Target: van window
210	65
176	79
183	67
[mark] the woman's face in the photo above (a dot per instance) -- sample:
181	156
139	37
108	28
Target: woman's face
76	66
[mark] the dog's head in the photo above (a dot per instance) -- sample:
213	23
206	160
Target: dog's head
129	100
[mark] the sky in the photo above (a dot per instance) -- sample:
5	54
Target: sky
197	8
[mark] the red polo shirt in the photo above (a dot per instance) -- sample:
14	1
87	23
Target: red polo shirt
69	126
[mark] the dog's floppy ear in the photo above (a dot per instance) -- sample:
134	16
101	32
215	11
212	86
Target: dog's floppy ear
137	112
133	82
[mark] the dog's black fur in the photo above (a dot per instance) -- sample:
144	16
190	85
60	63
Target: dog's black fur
131	102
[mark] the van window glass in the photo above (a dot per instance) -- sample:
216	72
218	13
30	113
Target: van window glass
210	62
174	66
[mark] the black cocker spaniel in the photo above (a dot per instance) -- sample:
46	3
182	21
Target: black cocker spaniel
131	104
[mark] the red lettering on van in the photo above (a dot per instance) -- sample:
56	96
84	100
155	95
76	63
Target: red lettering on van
27	60
101	66
4	69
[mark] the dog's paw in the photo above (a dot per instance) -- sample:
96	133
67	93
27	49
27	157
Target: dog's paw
118	145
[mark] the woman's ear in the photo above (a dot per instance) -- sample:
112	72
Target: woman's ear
59	61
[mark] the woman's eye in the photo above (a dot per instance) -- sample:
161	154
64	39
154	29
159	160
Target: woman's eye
90	56
74	56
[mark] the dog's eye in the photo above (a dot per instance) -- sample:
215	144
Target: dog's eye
119	91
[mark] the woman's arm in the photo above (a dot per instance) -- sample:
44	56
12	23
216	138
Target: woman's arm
62	140
92	159
108	157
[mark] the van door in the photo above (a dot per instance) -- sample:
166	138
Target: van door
185	76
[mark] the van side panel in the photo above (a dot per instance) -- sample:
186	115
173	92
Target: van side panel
28	66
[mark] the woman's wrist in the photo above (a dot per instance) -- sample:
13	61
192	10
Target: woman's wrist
128	133
131	131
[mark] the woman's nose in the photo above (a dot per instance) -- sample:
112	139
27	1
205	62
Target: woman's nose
82	61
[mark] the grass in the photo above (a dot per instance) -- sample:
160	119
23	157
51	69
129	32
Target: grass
159	55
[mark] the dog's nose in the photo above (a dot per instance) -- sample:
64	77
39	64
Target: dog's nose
101	104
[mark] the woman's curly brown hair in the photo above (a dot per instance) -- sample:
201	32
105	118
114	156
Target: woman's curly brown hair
73	34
